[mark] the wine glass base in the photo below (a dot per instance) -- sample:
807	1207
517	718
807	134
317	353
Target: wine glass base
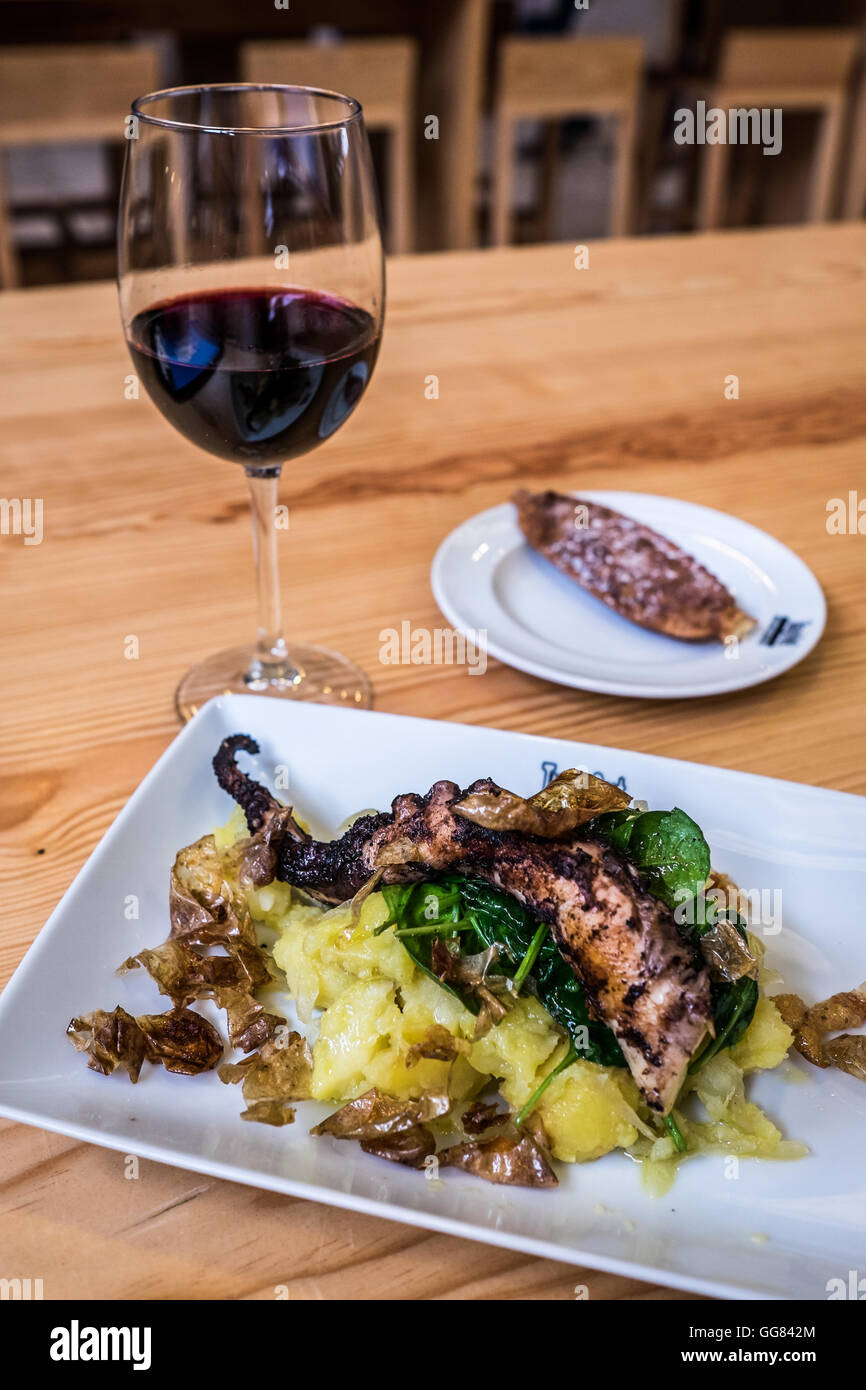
322	676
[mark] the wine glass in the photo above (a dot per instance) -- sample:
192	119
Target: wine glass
252	293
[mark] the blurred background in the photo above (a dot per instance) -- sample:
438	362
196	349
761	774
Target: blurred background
492	121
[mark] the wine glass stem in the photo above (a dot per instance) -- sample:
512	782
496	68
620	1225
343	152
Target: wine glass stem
272	663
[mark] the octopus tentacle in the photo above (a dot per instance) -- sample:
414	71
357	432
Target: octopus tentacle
334	870
256	801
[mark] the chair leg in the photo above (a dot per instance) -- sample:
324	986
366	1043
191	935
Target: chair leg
622	196
655	99
711	196
549	163
10	267
500	221
745	187
401	190
854	201
820	202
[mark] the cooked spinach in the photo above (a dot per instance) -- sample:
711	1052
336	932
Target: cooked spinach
422	913
477	915
733	1007
667	848
673	1129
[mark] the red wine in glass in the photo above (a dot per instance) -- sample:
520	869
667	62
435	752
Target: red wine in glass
255	375
252	293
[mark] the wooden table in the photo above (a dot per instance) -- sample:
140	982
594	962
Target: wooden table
610	376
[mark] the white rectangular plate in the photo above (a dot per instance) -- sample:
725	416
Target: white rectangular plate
777	1230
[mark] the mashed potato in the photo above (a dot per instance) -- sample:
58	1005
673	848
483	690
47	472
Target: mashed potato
364	1004
368	1003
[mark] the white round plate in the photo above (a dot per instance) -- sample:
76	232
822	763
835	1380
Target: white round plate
489	584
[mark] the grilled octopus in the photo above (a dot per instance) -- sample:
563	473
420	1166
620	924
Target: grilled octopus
641	977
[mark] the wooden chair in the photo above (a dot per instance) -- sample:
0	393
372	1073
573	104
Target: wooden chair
805	71
64	93
380	73
553	79
854	194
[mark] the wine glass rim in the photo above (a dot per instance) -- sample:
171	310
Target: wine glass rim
354	109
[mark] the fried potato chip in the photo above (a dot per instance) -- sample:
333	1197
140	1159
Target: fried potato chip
232	1072
205	912
281	1070
181	1040
270	1112
792	1009
438	1044
201	901
375	1116
570	800
727	953
848	1053
111	1040
472	974
252	862
481	1116
810	1027
180	973
846	1010
513	1160
249	1023
410	1146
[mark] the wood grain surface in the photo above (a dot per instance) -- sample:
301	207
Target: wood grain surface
611	376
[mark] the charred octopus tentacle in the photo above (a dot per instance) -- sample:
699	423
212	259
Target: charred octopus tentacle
254	800
327	870
641	977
